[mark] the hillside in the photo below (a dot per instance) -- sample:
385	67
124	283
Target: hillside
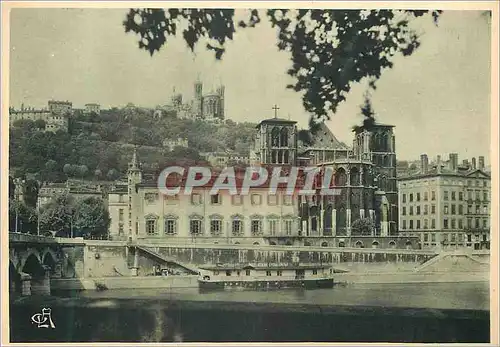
100	146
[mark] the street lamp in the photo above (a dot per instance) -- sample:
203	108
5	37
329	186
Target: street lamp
17	189
38	216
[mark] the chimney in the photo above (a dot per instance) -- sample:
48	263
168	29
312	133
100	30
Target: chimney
481	163
453	162
473	163
438	164
424	163
465	163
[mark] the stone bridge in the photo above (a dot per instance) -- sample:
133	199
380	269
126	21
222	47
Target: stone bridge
33	260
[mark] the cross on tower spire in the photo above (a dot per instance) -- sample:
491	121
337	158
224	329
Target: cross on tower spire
275	108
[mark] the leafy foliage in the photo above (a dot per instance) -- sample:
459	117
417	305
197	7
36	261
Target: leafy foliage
91	218
101	149
57	215
26	217
330	49
64	216
363	226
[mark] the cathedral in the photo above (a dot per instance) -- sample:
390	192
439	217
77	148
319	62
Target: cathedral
362	213
365	175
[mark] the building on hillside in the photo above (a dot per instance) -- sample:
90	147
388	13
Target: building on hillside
92	108
364	176
225	159
447	205
60	107
178	142
80	192
53	121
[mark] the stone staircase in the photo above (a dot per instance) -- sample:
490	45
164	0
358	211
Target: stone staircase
191	268
454	261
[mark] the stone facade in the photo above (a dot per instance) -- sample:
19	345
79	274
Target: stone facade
92	108
446	204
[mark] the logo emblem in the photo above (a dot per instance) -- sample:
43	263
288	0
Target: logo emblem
44	319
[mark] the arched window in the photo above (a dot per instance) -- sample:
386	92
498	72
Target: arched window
359	244
284	137
340	178
375	244
342	244
392	244
275	137
287	158
355	177
324	244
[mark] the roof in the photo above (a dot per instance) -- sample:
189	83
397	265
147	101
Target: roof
324	138
367	125
277	120
446	172
174	181
260	267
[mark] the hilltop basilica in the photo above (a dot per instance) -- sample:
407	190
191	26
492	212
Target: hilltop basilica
204	106
365	177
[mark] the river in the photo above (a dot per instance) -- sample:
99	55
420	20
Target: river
424	312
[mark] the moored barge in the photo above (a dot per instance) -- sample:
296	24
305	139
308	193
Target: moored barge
249	277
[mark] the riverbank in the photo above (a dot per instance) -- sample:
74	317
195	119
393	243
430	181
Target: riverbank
190	281
413	277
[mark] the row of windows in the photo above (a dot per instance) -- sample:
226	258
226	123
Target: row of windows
447	195
418	224
268	273
454	210
418	196
217	199
472	223
476	194
418	210
216	227
454	237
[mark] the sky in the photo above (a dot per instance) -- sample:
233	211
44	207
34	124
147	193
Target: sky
438	99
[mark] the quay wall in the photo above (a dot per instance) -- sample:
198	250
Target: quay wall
139	282
116	261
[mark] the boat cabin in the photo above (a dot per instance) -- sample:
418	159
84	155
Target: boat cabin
252	273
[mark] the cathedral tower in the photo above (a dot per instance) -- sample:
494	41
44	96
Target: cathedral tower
377	141
276	141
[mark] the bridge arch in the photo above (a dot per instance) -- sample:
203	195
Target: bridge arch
33	266
31	252
49	259
14	278
14	259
